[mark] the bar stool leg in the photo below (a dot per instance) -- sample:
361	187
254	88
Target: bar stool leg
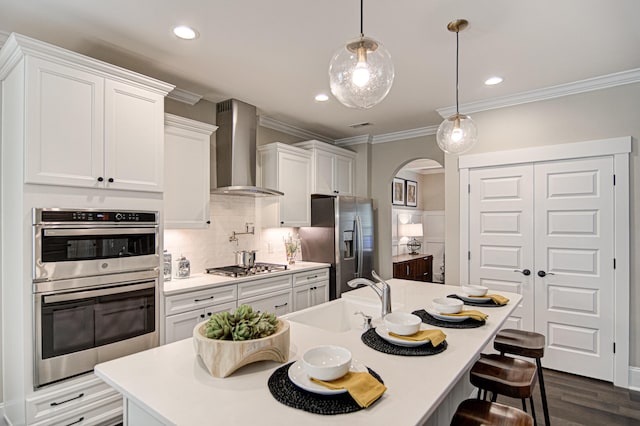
533	410
543	393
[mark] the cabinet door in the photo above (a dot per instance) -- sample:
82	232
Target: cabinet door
180	326
323	173
134	135
343	175
319	292
64	125
301	297
186	168
294	179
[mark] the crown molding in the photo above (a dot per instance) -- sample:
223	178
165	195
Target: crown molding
581	86
188	124
405	134
274	124
184	96
354	140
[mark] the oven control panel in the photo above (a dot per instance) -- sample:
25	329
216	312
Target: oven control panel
42	216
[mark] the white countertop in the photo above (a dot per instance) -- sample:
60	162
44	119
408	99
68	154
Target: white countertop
171	383
204	280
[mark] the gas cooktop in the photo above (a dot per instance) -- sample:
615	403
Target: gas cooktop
241	271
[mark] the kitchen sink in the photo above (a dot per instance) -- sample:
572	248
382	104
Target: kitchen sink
337	315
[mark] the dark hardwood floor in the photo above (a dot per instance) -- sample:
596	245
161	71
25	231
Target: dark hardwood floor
575	400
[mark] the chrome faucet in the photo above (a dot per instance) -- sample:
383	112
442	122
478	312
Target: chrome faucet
382	289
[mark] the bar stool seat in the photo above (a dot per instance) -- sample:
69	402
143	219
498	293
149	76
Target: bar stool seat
502	375
473	412
527	344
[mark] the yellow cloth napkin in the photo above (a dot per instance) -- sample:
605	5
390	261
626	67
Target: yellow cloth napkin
435	336
362	386
476	315
497	299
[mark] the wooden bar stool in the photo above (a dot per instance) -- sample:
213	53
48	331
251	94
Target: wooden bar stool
502	375
473	412
527	344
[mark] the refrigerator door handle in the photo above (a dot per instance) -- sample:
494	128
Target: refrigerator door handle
360	243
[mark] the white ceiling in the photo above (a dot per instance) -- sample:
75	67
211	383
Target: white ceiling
275	54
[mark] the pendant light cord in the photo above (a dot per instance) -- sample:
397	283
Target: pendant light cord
361	18
457	56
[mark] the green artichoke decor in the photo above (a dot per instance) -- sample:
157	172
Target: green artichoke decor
243	324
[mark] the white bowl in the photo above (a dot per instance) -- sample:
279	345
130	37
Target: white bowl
326	362
475	290
402	323
447	305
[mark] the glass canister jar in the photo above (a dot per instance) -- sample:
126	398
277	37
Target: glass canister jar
184	267
167	266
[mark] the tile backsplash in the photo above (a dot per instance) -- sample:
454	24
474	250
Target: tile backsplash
211	247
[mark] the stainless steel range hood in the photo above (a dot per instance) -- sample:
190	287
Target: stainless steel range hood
236	150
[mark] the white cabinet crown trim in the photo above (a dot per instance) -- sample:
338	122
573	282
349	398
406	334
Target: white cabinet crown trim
188	124
18	46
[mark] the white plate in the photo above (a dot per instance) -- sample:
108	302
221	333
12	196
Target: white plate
475	299
434	313
384	333
301	379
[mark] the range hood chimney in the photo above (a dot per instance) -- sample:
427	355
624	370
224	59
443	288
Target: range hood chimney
236	150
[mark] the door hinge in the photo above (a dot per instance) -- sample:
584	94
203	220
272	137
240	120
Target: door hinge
614	347
614	263
469	188
614	180
468	255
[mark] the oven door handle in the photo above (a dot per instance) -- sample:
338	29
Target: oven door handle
79	295
48	232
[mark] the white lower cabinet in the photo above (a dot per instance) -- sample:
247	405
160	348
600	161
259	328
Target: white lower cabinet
183	311
85	401
267	295
310	288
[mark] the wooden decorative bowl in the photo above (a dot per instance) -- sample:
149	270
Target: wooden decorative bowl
223	357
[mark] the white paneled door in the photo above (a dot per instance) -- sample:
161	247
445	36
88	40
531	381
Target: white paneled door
574	264
546	231
501	235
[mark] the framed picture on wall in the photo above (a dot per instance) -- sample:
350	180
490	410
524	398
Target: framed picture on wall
397	192
412	193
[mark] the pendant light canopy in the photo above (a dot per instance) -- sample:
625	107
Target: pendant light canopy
457	133
361	72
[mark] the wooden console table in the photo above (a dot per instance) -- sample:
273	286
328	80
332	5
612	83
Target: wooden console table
417	267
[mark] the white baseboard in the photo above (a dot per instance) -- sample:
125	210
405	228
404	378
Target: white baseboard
634	378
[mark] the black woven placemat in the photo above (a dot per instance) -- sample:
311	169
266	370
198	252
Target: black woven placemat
488	304
286	392
431	320
371	339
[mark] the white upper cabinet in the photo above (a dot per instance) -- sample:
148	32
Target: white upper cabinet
186	171
333	170
86	123
288	170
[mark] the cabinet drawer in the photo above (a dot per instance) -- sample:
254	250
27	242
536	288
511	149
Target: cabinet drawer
307	277
178	303
48	403
102	412
278	303
263	286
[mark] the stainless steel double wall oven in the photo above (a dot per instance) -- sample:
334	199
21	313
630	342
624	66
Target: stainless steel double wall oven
95	288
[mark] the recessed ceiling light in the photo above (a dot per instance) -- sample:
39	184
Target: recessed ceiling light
184	32
493	80
321	97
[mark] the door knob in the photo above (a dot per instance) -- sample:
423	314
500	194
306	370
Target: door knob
524	272
543	274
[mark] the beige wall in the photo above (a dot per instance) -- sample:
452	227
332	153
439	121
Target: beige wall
588	116
386	160
432	191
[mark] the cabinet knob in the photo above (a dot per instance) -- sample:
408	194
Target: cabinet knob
110	180
208	222
100	178
282	222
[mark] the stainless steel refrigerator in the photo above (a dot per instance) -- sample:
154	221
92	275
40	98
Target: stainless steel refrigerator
341	233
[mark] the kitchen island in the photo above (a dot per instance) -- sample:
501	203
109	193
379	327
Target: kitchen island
169	385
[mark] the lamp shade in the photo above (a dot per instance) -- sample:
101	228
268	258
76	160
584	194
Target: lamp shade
411	230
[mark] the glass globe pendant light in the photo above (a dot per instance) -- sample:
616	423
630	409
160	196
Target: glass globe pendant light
361	72
457	133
